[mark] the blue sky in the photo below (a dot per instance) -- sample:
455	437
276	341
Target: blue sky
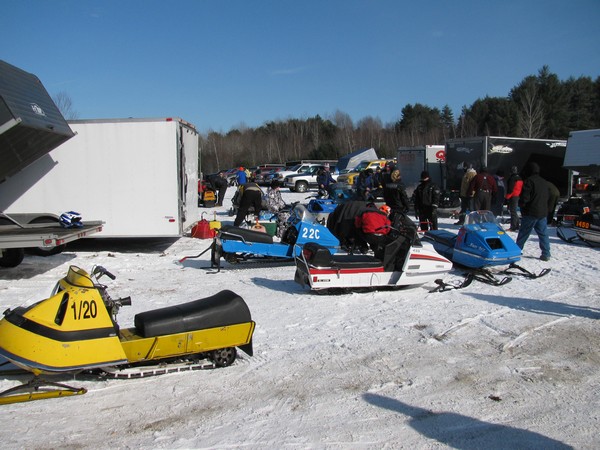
223	64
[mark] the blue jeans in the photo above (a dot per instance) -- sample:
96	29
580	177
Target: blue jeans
540	226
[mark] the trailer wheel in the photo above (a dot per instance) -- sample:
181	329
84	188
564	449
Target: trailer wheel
43	251
224	356
12	257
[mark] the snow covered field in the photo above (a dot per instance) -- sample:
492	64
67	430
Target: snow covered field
507	367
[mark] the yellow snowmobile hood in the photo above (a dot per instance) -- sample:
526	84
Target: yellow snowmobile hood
72	330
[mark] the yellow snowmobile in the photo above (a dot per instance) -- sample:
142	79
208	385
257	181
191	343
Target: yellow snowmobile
75	330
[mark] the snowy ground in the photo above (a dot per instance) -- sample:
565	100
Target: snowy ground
486	367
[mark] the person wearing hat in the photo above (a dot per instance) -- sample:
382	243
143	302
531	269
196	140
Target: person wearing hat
466	199
427	198
242	177
514	185
325	181
535	201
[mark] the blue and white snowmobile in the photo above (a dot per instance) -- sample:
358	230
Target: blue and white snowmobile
481	243
236	244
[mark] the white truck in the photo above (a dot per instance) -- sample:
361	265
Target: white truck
139	175
30	126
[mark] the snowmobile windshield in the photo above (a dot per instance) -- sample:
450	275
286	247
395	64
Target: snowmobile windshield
480	217
301	214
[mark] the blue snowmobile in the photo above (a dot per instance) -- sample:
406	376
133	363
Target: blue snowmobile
236	244
480	243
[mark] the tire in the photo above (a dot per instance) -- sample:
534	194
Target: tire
224	356
12	257
301	186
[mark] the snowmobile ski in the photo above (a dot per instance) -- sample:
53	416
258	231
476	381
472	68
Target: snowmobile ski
38	389
488	277
515	269
443	286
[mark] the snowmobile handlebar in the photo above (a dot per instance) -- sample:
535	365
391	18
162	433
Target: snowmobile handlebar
99	271
125	301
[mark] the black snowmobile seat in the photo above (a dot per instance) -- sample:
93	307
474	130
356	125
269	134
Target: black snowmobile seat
320	256
444	237
238	234
222	309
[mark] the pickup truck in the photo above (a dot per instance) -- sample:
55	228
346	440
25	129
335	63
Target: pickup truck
302	182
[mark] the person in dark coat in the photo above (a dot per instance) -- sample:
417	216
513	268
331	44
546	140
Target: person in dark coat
427	198
251	198
466	197
220	184
483	188
325	181
394	194
534	202
514	185
341	224
554	196
498	197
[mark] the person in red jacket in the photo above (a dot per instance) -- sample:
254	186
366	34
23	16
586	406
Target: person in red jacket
373	225
514	185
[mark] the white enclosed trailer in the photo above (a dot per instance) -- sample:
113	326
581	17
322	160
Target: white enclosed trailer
30	126
139	175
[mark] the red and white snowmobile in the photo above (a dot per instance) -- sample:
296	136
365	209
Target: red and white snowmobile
404	261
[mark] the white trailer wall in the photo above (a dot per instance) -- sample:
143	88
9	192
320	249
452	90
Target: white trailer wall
139	176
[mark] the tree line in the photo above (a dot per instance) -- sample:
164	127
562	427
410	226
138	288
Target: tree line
540	106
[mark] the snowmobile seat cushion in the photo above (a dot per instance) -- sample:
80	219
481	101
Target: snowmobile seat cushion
222	309
443	237
318	255
355	262
236	234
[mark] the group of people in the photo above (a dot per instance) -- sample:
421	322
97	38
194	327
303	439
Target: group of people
535	197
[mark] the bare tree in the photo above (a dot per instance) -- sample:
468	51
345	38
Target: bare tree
344	123
531	113
65	105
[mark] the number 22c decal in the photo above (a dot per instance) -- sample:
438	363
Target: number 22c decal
310	233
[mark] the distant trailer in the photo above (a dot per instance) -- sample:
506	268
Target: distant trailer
501	153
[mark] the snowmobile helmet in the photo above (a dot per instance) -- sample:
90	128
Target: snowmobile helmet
70	219
386	209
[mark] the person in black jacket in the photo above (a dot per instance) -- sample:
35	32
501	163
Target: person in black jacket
220	184
251	198
427	198
535	202
394	193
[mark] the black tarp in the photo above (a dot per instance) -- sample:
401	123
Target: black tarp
31	125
